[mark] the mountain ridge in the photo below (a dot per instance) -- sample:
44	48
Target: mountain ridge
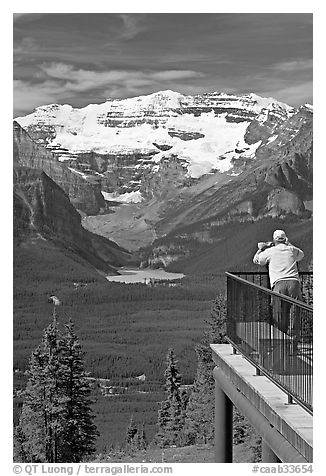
134	125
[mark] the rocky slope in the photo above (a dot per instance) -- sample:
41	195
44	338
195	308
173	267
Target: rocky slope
85	196
276	181
42	211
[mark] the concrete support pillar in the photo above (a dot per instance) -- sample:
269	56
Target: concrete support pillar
267	454
223	427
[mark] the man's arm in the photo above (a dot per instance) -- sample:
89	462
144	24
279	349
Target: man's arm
298	254
261	257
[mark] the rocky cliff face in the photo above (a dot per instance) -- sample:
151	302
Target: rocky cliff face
84	195
43	211
292	154
279	171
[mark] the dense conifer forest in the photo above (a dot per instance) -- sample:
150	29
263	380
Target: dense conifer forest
125	331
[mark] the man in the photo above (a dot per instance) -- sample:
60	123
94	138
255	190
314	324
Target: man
281	258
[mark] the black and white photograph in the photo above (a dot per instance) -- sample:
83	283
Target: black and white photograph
162	240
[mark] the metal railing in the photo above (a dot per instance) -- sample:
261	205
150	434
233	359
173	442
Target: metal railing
274	332
262	279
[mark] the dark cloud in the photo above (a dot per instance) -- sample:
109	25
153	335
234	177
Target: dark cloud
77	56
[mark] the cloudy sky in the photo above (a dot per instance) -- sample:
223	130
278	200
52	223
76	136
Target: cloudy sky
85	58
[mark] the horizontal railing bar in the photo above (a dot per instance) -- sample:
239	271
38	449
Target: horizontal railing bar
265	273
270	292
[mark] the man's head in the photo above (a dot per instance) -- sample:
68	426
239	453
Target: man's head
279	236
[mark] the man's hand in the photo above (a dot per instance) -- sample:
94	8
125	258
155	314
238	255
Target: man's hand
263	245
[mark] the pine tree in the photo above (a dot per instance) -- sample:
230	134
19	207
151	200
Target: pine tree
131	433
199	426
79	431
141	438
41	420
56	422
163	422
200	409
19	444
171	414
216	331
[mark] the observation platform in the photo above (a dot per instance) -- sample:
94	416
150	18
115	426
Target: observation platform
266	369
286	429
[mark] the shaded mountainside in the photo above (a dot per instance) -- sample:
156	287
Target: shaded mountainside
204	248
42	211
84	195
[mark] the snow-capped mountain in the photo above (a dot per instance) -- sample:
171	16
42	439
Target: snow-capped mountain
205	131
172	159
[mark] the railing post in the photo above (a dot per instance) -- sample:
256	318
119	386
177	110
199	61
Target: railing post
290	400
223	427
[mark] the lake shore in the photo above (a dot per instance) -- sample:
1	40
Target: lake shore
137	275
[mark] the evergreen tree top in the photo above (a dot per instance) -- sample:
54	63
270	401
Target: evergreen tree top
56	423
